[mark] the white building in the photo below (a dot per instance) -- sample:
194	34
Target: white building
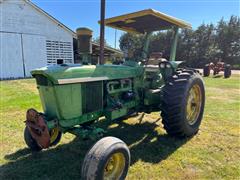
30	38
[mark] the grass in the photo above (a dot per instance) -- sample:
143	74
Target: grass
214	153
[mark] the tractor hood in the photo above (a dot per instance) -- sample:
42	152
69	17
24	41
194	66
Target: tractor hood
68	74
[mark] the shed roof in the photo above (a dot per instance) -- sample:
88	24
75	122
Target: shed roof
145	21
107	50
50	17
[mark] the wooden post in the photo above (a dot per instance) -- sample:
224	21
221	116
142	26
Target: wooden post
102	29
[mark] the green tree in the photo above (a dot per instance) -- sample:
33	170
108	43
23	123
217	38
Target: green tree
132	45
186	50
228	39
161	42
97	40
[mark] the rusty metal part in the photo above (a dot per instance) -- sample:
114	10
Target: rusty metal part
38	128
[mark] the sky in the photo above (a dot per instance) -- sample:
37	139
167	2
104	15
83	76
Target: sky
86	13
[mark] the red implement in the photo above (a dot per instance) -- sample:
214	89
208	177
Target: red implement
38	128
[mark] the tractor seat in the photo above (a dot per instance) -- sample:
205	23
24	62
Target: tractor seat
153	64
155	61
155	58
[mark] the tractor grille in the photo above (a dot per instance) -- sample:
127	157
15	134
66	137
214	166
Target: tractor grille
92	99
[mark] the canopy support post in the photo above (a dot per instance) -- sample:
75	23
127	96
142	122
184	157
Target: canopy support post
146	45
174	44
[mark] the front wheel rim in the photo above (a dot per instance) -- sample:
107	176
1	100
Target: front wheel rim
54	135
114	166
194	104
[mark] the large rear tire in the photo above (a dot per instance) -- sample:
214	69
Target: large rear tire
109	158
183	104
227	71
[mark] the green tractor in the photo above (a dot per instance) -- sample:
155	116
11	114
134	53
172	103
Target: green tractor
74	97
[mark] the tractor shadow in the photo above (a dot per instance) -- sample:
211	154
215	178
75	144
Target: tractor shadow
146	140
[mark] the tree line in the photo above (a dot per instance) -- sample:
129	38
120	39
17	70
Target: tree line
208	43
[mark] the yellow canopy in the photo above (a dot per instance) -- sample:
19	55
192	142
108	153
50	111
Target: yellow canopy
145	21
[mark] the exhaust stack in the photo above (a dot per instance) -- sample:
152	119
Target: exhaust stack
84	43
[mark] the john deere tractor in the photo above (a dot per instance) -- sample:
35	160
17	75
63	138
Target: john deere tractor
74	97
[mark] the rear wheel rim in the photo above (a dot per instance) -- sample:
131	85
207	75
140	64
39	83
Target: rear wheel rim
114	166
194	103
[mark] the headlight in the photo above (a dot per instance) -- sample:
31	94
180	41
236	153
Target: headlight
162	65
168	66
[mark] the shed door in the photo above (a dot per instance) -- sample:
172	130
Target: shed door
11	65
34	50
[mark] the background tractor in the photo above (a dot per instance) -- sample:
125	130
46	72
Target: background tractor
74	97
217	68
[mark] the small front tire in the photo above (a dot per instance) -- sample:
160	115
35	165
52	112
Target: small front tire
31	143
109	158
